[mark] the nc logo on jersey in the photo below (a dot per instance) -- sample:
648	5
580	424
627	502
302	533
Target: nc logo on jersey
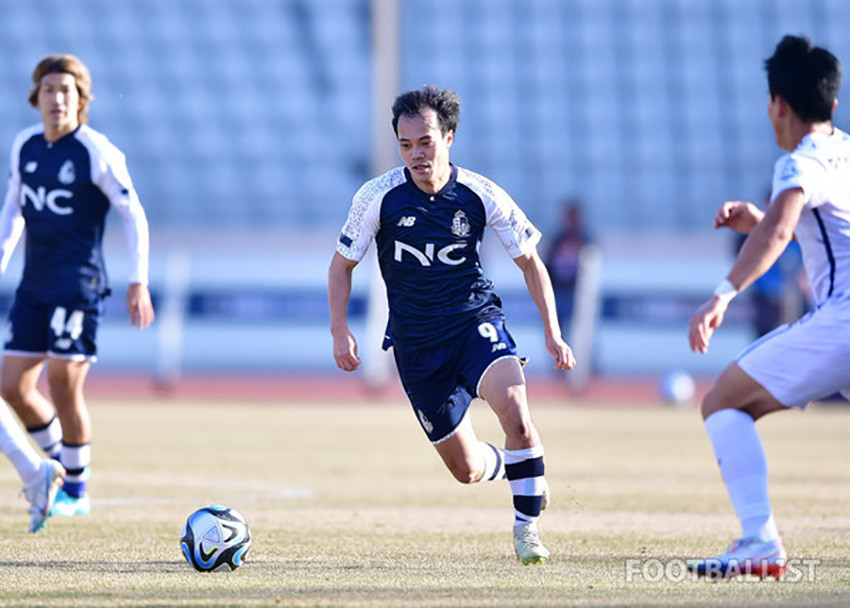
67	175
427	257
460	225
41	198
407	222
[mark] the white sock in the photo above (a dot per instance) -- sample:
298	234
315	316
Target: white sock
16	446
740	456
494	462
77	460
48	437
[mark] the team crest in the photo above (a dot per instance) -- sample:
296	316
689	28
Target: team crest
460	225
66	173
30	167
426	424
789	170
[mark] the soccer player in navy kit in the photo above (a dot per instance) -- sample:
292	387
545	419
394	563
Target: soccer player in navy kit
803	361
446	324
64	178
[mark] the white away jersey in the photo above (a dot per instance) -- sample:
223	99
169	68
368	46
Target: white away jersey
820	165
428	249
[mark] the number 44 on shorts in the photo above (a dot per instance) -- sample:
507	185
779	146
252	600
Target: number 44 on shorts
66	328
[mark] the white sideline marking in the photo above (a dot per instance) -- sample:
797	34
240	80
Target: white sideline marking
220	485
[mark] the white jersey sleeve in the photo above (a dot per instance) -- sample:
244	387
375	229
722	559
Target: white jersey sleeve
109	172
364	217
516	233
798	171
11	217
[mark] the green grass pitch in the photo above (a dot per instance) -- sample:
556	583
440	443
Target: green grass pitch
350	506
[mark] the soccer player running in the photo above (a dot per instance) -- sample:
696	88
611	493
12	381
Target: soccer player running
64	178
446	324
796	363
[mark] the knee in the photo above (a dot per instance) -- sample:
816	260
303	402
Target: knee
11	392
61	390
519	429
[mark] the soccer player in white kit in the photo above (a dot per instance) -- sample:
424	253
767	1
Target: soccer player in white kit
803	361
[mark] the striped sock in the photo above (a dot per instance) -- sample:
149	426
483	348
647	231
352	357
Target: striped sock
48	437
76	460
494	462
524	470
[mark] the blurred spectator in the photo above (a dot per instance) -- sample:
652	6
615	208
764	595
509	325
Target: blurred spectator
562	260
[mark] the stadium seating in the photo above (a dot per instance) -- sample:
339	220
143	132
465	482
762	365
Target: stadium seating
252	113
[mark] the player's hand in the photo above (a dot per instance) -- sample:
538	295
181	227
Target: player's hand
740	216
705	321
139	305
561	353
345	351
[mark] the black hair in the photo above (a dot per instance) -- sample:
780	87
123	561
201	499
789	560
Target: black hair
806	76
444	102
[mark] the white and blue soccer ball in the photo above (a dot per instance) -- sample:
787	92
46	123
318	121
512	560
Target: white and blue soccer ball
677	388
215	537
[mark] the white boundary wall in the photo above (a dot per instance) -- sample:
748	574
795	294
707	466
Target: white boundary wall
181	264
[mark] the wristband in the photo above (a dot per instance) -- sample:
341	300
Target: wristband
725	290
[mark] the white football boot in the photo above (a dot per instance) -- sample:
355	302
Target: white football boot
41	492
529	548
744	556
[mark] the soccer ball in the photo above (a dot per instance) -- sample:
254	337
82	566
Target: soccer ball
677	388
215	537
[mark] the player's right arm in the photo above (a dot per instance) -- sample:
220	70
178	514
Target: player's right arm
339	293
357	234
11	216
11	225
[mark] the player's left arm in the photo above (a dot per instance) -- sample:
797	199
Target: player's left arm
765	243
540	288
114	180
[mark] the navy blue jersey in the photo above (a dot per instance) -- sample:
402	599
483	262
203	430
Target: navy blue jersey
60	192
428	248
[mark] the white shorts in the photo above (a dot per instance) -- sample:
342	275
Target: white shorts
807	360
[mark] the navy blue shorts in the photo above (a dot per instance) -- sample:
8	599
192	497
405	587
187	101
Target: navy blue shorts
441	380
65	331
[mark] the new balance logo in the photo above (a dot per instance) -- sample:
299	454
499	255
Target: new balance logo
406	222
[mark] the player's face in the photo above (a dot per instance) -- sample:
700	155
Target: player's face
424	149
59	103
